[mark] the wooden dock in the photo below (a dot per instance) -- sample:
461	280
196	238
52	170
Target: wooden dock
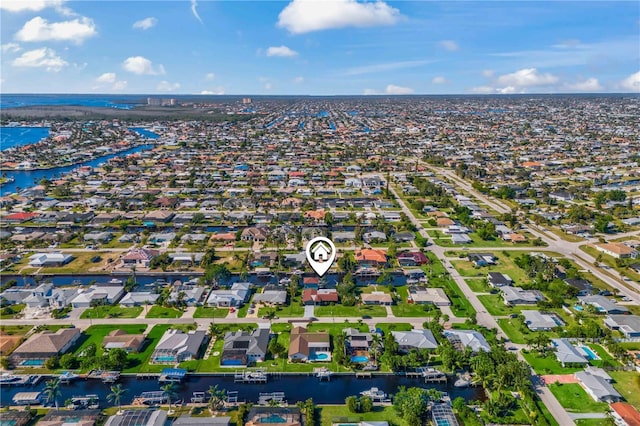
363	375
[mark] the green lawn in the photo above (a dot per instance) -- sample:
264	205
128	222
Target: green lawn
628	384
350	311
606	360
404	309
478	285
572	397
293	310
162	312
19	330
444	240
504	265
387	327
517	331
210	312
109	311
593	422
341	414
495	305
548	364
12	311
96	333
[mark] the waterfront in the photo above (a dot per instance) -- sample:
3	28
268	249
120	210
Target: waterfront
19	136
295	387
27	178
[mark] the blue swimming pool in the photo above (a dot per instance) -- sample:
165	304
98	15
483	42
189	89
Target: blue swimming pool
165	359
359	358
273	419
32	363
591	355
578	308
318	357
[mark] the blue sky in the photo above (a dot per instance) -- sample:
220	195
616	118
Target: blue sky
319	47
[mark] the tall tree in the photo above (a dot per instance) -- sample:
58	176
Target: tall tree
115	396
52	391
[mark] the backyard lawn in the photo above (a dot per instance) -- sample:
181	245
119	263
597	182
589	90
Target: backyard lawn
209	312
330	414
17	330
96	333
350	311
572	397
162	312
109	311
12	311
504	265
628	384
293	310
548	364
495	305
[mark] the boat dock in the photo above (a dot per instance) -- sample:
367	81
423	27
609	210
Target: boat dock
429	374
150	398
363	375
90	401
19	380
144	376
323	373
198	397
105	376
250	376
172	375
267	398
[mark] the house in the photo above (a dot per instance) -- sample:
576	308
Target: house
176	346
255	234
271	296
374	236
583	286
343	236
123	340
237	295
376	298
138	298
146	417
97	295
69	418
189	292
539	321
19	217
309	346
159	216
517	296
274	416
295	260
49	259
98	237
628	325
357	340
187	420
461	239
404	236
323	296
461	339
567	354
39	296
139	257
412	258
482	259
45	344
242	348
617	250
497	279
414	339
602	304
598	387
371	257
425	295
624	414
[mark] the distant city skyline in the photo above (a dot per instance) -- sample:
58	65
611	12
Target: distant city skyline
314	47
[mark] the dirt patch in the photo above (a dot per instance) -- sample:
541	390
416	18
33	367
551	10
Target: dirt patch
559	378
8	343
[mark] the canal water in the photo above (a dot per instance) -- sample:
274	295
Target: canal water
28	178
18	136
295	387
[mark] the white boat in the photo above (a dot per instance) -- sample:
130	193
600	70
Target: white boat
374	393
68	376
8	378
285	280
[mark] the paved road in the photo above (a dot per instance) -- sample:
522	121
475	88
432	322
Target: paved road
486	319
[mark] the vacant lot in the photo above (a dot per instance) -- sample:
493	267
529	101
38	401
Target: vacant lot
111	312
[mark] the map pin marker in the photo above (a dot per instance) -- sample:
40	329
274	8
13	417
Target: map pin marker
320	254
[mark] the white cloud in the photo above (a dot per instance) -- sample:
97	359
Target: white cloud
283	51
141	65
389	66
210	76
392	89
119	85
194	10
507	90
631	83
145	24
39	29
449	45
268	86
483	89
589	85
214	91
439	80
10	48
28	5
107	77
488	73
43	57
298	80
527	77
303	16
165	86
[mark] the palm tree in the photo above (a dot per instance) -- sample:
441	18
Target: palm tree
52	391
217	398
170	391
115	396
375	346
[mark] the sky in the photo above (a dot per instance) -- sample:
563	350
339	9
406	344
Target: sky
319	47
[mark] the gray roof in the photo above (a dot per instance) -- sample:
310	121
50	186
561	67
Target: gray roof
420	339
271	296
469	338
566	353
599	388
626	323
536	320
179	342
187	420
516	295
254	343
602	303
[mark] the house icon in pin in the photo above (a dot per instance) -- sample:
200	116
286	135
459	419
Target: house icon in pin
320	252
